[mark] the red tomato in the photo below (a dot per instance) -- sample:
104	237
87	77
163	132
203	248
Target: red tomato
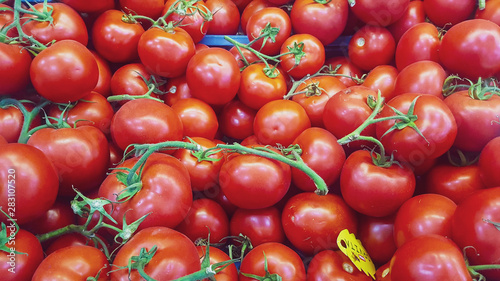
280	260
103	85
275	17
429	257
382	78
413	15
442	14
236	120
272	122
65	24
252	8
312	60
145	121
20	267
14	68
380	12
257	88
489	163
165	193
6	18
490	12
333	265
175	45
434	120
230	273
371	46
325	21
471	48
89	6
115	39
312	222
473	226
29	182
67	240
422	77
423	214
176	256
377	237
148	8
245	58
259	225
344	66
383	273
373	190
177	89
192	22
197	117
226	17
420	42
11	122
129	80
213	76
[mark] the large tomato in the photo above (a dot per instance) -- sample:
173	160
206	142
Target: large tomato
90	5
226	17
382	78
236	120
420	42
14	68
422	77
148	8
380	12
442	14
371	46
130	79
192	22
22	265
311	61
197	117
259	225
274	17
414	14
377	237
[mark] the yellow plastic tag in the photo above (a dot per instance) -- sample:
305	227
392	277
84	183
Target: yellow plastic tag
352	247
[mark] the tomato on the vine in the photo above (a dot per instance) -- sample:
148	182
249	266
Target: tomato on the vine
14	69
310	62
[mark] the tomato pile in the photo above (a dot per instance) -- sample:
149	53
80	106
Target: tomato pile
131	150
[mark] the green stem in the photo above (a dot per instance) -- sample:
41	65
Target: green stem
28	116
147	95
72	228
484	267
198	275
482	5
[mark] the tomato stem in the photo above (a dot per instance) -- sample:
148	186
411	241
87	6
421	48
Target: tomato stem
481	5
147	95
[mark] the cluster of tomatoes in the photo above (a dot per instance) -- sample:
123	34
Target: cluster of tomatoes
129	150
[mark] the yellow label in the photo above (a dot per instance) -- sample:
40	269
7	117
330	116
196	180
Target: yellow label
352	247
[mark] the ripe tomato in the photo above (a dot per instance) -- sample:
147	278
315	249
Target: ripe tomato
145	121
488	163
192	22
252	8
148	8
11	121
280	260
177	89
197	117
380	12
29	182
422	77
274	17
373	190
344	66
312	222
226	17
413	15
73	71
333	265
272	122
129	80
175	45
230	273
213	76
490	12
14	68
382	78
377	237
103	85
236	120
420	42
325	21
429	257
259	225
89	6
442	14
20	267
371	46
115	39
310	63
176	255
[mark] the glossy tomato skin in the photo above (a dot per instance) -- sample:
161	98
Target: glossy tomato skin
85	261
20	267
145	121
29	174
310	63
435	121
472	226
128	80
429	257
114	39
330	215
236	120
177	89
259	225
197	117
103	85
148	8
11	121
272	123
442	14
371	46
73	74
413	15
491	12
259	20
281	260
324	21
489	163
14	68
213	76
377	237
346	67
176	256
422	77
90	5
176	47
423	214
470	49
382	78
333	265
166	193
420	42
379	12
250	9
373	190
230	273
226	17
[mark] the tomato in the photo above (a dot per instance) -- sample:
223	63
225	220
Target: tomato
259	225
281	260
73	71
320	152
176	255
216	194
470	49
22	266
344	66
14	68
103	85
257	88
429	257
193	22
377	237
197	117
310	63
11	121
423	77
226	17
90	5
373	190
272	122
490	12
413	15
148	8
177	89
71	239
129	80
236	120
6	18
145	121
275	17
65	24
206	217
488	163
176	46
434	120
213	76
476	119
243	56
229	273
250	9
80	155
420	42
93	110
382	78
379	12
383	273
442	14
333	265
115	39
165	193
29	182
325	21
454	182
312	222
371	46
474	226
